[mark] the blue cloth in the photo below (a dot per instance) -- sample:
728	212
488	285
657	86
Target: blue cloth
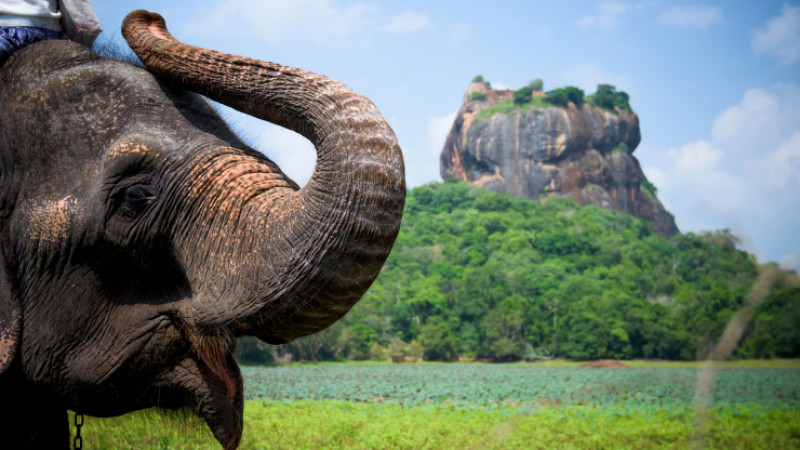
14	38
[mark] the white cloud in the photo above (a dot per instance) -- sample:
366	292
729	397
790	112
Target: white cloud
278	22
763	119
781	168
696	157
408	22
696	167
755	111
745	176
780	37
607	16
322	23
691	16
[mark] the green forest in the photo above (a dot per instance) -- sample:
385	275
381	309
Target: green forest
479	275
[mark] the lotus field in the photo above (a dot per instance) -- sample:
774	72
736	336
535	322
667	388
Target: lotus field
522	387
489	406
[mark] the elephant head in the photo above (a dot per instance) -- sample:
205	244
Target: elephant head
139	236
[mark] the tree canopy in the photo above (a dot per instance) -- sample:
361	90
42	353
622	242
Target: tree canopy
477	274
561	96
608	97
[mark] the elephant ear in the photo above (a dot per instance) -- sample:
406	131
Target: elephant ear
10	319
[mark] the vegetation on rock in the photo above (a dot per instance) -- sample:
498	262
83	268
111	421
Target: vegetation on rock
620	148
562	96
509	107
476	96
607	97
648	187
479	79
523	95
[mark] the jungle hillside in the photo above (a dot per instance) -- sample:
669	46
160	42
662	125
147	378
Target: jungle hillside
479	275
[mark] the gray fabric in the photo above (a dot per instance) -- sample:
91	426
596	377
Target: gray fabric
79	21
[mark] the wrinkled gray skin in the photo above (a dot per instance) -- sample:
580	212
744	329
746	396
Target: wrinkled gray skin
139	236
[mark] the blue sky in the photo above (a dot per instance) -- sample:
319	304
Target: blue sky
716	84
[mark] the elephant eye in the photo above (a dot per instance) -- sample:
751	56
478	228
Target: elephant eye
136	198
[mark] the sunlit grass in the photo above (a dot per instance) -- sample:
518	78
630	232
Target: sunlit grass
732	364
341	424
435	406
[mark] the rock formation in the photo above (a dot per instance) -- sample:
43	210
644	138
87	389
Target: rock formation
583	153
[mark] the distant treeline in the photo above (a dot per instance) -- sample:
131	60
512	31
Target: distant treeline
476	274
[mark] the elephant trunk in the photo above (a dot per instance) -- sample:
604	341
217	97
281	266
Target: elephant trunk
304	257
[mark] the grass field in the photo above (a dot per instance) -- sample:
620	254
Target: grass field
442	406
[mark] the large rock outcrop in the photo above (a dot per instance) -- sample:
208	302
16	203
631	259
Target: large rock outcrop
583	153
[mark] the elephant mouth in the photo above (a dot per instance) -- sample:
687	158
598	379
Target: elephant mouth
187	369
197	371
220	401
216	352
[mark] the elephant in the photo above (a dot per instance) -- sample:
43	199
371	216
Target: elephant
139	236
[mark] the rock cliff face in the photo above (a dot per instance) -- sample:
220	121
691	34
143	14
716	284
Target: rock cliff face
583	153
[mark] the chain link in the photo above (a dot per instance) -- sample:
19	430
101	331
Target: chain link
77	443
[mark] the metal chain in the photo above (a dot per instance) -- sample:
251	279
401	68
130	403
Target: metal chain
77	443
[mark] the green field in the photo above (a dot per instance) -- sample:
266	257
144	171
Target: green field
487	406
